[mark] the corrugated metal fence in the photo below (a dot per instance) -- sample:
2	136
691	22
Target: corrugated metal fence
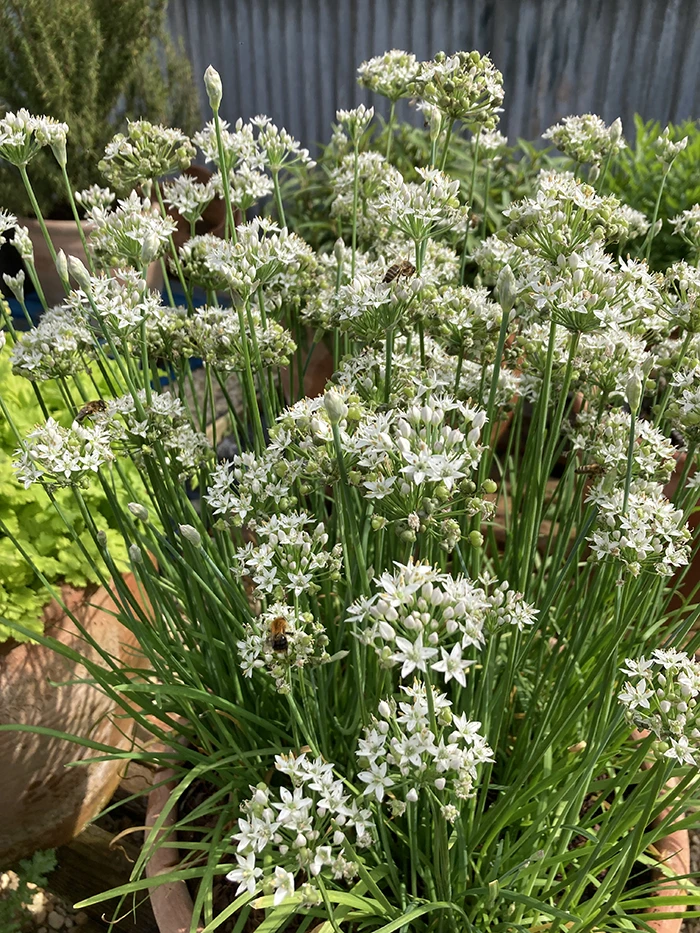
295	60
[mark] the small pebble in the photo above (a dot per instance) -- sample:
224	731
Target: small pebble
81	919
68	923
56	920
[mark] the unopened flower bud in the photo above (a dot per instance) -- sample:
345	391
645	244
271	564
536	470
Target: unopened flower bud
435	125
633	391
79	273
384	709
101	538
505	289
335	406
489	486
58	147
212	82
412	795
138	511
135	554
62	265
615	131
189	533
593	173
339	250
150	247
440	783
16	284
22	242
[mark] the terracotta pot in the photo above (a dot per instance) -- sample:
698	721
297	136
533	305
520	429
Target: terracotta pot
43	802
171	903
173	908
64	235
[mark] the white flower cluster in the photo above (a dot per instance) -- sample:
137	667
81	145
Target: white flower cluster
58	456
280	641
261	254
158	429
586	138
423	620
8	222
60	345
684	406
661	696
647	532
421	211
305	829
95	197
214	335
464	318
122	301
132	234
287	559
687	225
188	196
605	443
419	743
145	153
22	135
258	144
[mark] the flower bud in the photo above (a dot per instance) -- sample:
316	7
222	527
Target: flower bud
385	709
593	173
338	250
633	391
22	242
138	511
440	783
189	533
615	132
150	247
489	486
101	538
505	289
476	539
79	273
135	554
412	795
16	284
335	406
62	265
212	82
435	125
58	147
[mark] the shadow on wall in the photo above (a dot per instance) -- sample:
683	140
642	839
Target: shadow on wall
296	60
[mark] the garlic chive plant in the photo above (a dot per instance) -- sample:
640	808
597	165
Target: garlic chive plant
429	636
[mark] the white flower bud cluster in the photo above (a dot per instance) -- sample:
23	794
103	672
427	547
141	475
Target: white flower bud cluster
304	829
419	743
392	74
422	210
661	696
465	86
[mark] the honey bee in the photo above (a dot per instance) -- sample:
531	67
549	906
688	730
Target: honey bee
91	408
399	269
591	469
278	637
474	220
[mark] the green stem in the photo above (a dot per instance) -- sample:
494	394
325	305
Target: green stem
390	130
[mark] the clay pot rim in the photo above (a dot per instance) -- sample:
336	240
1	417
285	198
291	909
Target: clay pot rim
173	908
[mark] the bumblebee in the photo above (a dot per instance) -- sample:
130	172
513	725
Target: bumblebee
278	637
400	269
91	408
